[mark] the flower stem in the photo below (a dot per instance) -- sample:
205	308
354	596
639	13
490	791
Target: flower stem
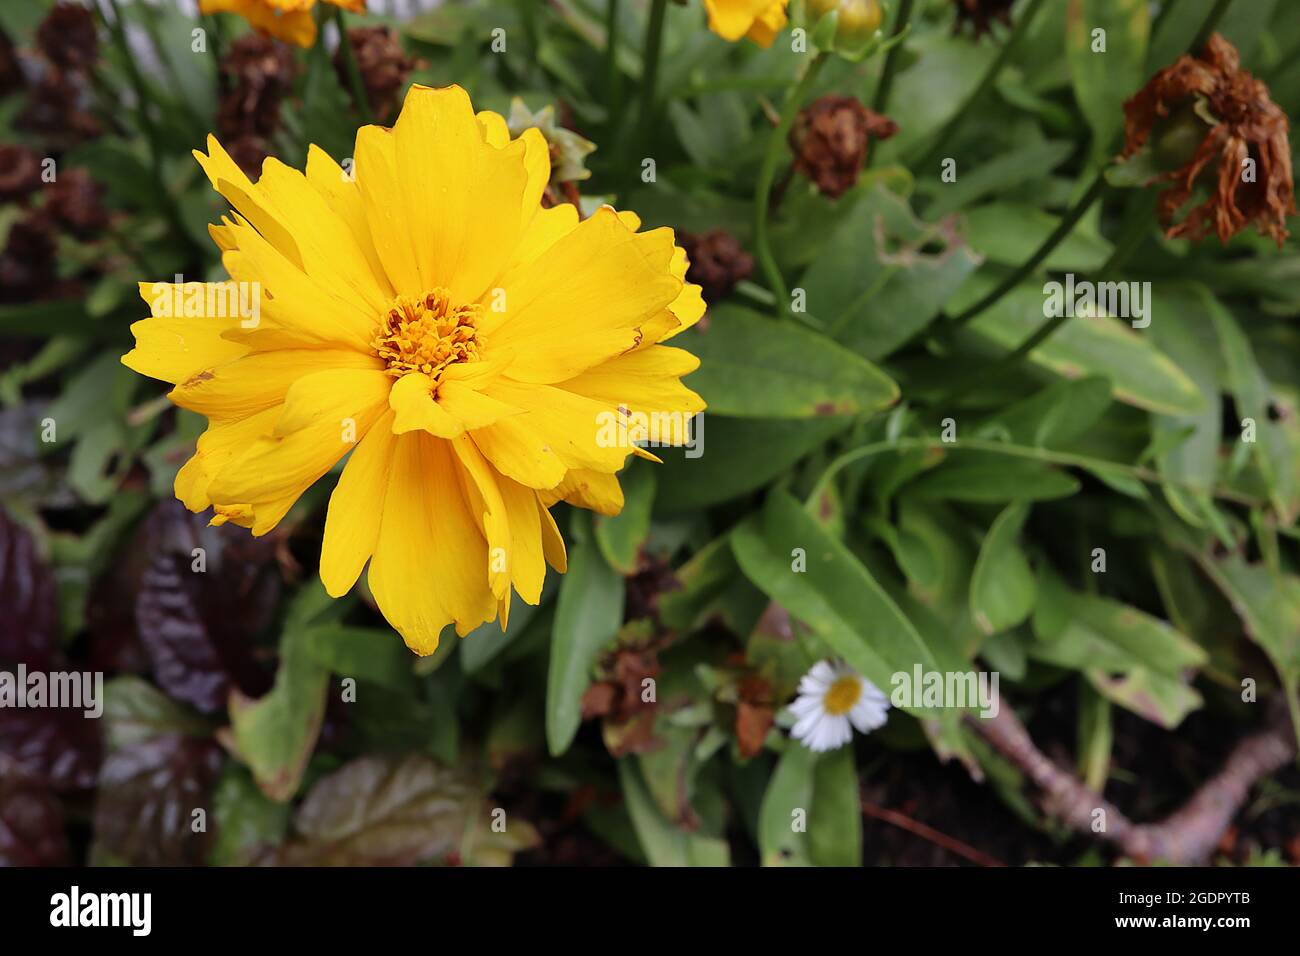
654	39
1209	26
945	135
1063	229
613	79
881	100
359	96
767	174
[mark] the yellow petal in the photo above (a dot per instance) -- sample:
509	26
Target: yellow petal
429	566
580	431
216	447
323	416
255	382
356	508
412	399
592	490
386	207
583	300
464	196
344	197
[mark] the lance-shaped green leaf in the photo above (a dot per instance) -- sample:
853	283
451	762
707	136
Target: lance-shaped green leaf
793	560
1140	373
1003	587
754	367
1106	47
663	843
588	613
620	537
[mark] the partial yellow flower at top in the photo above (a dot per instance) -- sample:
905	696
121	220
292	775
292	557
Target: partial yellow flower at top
471	349
760	20
287	20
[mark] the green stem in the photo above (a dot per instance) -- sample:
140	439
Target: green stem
1209	26
359	96
613	79
767	175
1063	229
945	135
881	100
654	41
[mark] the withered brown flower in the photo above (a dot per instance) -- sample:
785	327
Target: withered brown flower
57	109
73	199
257	73
20	172
68	38
980	15
1238	126
383	64
27	263
717	262
830	138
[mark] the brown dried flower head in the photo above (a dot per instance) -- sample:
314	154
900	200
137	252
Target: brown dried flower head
1206	110
20	172
383	64
981	14
68	38
258	74
717	262
830	139
74	199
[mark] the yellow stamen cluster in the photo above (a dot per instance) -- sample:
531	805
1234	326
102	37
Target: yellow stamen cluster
426	334
844	693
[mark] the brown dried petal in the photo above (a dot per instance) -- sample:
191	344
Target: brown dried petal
830	138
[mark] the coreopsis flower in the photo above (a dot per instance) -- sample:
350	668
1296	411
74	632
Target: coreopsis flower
480	358
980	15
830	138
287	20
1204	114
759	20
832	700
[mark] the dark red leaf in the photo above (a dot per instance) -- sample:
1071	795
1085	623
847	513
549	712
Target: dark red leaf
31	821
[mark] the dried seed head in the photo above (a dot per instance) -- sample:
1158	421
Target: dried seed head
383	64
830	140
980	15
1211	125
717	262
68	38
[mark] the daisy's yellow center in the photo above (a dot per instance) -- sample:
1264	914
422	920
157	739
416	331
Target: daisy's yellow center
426	334
844	693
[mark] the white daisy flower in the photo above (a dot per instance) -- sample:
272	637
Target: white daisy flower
833	698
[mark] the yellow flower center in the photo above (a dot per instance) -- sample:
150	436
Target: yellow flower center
426	334
844	693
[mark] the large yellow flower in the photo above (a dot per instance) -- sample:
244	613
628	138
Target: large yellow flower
467	346
760	20
287	20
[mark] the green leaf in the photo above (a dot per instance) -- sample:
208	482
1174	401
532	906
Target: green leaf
874	284
980	476
999	174
663	843
783	817
836	597
247	823
621	537
743	455
1003	586
1054	417
136	711
835	820
362	653
485	642
1141	374
1138	661
1268	604
275	735
1104	78
1276	451
587	617
752	366
1009	233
